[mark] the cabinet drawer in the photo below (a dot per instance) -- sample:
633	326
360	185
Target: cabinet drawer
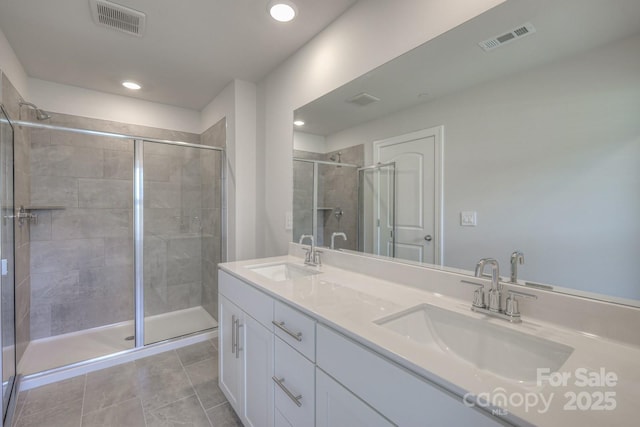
399	395
258	304
297	377
296	329
337	406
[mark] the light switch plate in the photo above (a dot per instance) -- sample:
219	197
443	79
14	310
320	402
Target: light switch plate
288	220
469	218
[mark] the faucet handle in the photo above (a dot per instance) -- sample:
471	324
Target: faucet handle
512	303
478	294
316	257
307	254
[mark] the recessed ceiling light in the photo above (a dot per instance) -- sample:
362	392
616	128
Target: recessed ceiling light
298	123
131	85
282	10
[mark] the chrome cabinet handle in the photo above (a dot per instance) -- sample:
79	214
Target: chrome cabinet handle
296	399
233	334
296	335
238	338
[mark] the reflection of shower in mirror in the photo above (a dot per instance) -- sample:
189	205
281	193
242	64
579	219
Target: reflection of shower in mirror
336	157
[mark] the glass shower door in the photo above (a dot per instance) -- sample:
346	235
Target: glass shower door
81	248
7	210
182	235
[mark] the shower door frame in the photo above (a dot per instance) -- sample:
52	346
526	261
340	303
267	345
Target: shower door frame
138	229
9	401
361	208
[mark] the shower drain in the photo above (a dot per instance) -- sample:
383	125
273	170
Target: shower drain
129	338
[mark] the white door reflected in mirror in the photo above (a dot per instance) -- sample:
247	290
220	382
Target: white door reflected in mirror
417	156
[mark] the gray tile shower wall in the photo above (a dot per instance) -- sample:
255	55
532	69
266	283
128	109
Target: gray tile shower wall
76	283
303	194
22	148
340	186
82	255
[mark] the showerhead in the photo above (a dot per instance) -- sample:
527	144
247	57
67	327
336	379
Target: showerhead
40	114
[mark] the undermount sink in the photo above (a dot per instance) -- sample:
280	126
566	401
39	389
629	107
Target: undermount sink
282	271
499	350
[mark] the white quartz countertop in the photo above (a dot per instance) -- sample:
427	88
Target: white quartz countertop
350	303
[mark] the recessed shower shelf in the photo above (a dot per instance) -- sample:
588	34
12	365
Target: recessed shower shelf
44	208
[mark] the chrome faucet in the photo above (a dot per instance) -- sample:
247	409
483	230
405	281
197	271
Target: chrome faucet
312	257
495	293
494	308
337	234
517	257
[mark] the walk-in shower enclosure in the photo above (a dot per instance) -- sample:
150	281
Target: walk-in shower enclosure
332	197
124	227
325	200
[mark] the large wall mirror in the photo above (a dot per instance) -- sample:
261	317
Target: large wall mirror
516	131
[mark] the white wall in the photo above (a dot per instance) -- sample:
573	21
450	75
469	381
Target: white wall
12	68
237	102
100	105
367	35
550	160
309	142
245	171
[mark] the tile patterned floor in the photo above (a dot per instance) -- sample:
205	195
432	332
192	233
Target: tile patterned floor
175	388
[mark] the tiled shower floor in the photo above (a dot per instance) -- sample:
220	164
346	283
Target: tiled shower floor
61	350
175	388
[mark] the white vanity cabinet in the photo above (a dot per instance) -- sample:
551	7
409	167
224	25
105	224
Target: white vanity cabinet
294	371
246	351
266	352
230	365
402	397
295	386
280	367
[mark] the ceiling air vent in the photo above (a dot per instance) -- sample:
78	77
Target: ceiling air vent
363	99
117	17
515	34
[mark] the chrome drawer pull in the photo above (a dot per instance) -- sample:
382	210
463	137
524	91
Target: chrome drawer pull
233	334
238	325
296	399
296	335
